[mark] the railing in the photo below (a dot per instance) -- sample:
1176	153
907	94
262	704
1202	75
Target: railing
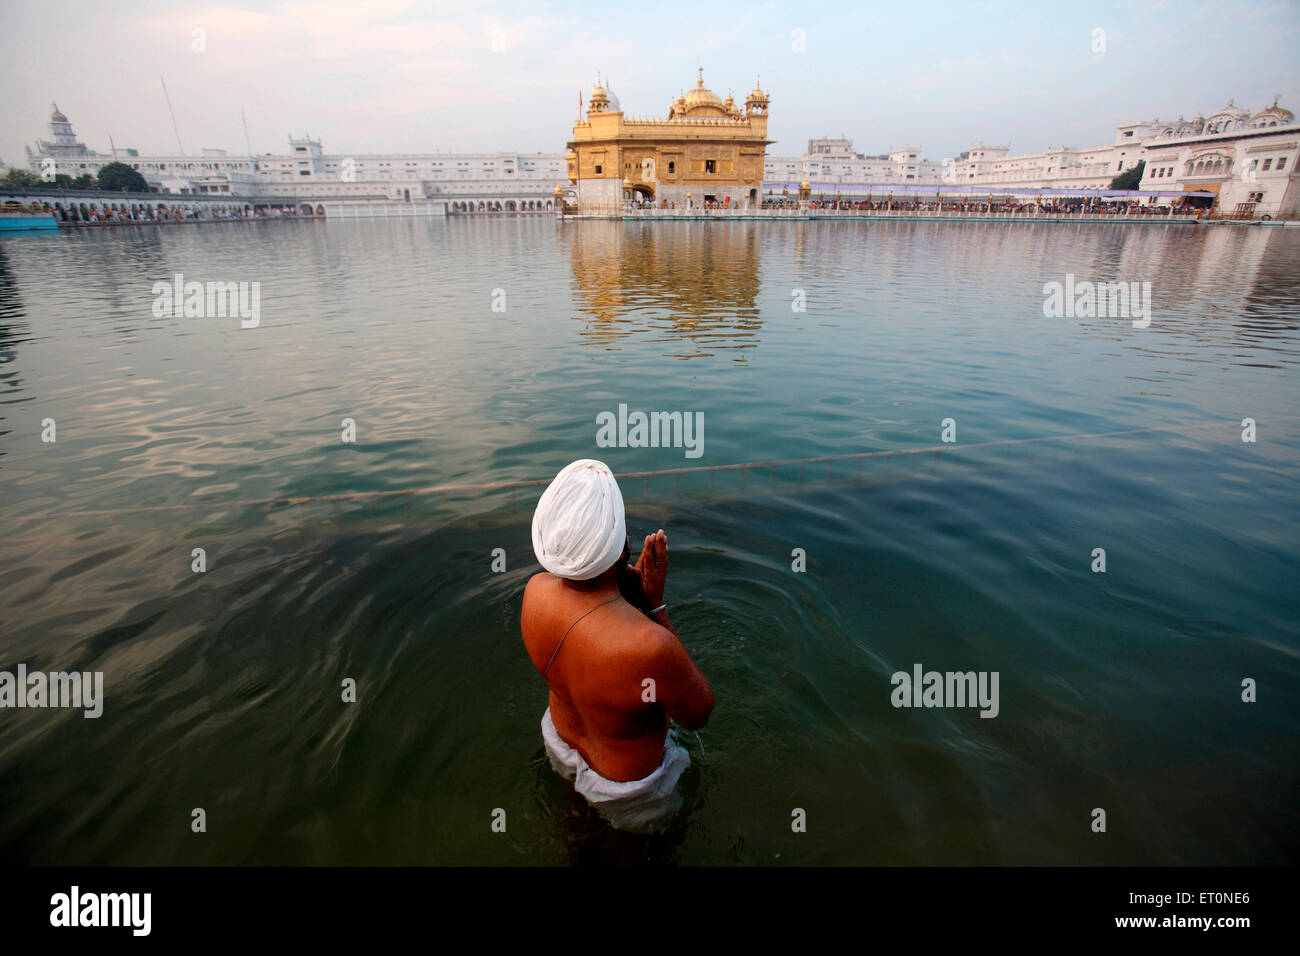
996	213
980	212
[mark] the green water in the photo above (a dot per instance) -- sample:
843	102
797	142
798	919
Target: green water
473	351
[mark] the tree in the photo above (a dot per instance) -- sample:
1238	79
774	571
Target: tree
85	181
1129	179
63	180
120	176
21	179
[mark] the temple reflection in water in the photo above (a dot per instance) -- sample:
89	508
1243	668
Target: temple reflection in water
690	285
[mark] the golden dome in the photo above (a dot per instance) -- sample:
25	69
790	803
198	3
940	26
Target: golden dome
702	96
56	116
1274	115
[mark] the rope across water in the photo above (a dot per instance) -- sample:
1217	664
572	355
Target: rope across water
484	487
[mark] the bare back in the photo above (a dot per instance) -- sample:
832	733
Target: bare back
617	678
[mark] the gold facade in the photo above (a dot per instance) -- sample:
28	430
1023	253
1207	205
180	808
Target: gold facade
706	148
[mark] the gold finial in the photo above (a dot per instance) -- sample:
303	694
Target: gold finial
700	82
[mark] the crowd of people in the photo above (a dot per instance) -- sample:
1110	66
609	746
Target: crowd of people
1068	206
1058	207
105	213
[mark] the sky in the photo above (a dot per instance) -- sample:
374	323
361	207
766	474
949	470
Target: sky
403	76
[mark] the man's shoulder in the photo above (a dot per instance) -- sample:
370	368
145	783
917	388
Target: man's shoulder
650	641
539	582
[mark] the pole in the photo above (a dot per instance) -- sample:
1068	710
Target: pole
175	128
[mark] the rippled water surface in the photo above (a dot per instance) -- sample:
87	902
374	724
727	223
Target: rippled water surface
480	352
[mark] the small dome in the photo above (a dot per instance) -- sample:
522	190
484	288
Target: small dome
55	115
1227	119
603	99
1273	116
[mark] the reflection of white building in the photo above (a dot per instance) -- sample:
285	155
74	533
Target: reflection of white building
514	180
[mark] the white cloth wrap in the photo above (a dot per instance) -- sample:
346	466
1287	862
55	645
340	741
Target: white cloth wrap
639	806
578	528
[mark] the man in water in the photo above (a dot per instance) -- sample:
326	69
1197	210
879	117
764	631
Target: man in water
598	631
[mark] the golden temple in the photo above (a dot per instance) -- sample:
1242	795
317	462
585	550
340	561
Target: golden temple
708	150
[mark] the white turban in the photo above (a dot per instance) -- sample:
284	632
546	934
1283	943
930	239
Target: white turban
578	527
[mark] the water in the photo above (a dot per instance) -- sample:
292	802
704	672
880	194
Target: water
1119	690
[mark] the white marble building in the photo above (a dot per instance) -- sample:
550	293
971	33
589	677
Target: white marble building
1248	159
833	161
513	180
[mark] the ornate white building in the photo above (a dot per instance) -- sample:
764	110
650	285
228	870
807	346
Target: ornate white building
1248	160
513	180
64	143
833	161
